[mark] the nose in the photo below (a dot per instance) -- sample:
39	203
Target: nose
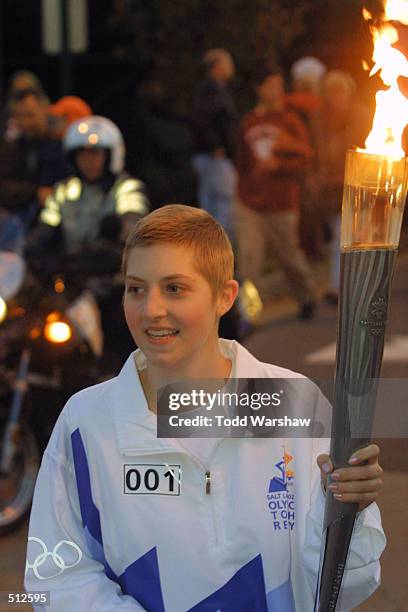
154	304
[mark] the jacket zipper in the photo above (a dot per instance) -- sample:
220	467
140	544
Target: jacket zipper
208	482
211	503
207	478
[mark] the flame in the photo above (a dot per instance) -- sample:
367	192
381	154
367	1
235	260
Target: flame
396	10
391	114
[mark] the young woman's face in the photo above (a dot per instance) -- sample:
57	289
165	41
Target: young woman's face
169	308
91	163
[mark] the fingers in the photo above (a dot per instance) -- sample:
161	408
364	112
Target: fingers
365	466
364	472
325	464
358	491
362	499
360	483
369	454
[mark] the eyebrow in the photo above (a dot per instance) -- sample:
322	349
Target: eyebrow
165	278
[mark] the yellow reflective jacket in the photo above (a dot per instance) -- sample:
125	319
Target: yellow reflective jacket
79	207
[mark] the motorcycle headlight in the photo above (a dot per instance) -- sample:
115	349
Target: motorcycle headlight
3	310
56	330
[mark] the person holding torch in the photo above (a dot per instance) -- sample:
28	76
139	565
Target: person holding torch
125	520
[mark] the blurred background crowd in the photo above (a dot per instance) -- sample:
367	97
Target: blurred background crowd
245	111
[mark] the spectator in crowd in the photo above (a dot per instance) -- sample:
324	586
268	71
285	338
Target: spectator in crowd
67	110
305	98
273	152
343	123
306	74
31	163
20	80
215	123
61	114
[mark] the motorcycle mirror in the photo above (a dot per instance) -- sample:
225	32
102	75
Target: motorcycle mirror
12	271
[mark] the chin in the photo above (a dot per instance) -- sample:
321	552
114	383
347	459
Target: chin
163	361
158	356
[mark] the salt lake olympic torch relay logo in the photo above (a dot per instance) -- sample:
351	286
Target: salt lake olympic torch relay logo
376	321
56	558
281	499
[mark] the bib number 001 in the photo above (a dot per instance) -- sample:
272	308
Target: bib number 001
143	479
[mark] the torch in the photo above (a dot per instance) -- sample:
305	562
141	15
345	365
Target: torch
375	188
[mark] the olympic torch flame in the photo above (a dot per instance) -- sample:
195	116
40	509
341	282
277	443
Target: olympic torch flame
375	188
391	115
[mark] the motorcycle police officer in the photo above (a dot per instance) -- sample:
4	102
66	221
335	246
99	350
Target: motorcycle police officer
87	217
99	186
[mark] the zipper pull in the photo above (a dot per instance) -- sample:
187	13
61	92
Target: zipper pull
208	483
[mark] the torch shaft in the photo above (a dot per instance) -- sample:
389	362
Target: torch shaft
366	277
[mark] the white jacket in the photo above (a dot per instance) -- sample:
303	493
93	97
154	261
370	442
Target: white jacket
248	546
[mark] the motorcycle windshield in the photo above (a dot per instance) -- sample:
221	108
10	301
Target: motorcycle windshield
12	267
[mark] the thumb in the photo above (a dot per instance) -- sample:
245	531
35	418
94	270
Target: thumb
325	466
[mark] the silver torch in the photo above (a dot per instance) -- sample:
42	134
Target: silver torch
375	189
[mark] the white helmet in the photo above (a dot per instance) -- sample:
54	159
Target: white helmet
100	132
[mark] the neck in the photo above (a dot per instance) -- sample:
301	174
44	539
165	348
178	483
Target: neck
210	366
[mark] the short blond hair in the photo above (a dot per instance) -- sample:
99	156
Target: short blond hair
192	228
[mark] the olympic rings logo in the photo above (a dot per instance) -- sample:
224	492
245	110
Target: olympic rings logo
57	558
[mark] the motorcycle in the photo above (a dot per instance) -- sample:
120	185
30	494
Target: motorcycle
51	345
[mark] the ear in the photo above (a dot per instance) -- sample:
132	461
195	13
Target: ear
227	297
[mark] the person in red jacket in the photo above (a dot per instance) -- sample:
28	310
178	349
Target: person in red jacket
272	153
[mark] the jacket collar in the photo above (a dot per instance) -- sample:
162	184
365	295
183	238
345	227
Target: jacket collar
135	425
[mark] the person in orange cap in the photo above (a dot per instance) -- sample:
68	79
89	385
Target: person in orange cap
67	110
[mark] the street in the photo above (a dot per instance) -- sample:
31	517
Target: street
308	348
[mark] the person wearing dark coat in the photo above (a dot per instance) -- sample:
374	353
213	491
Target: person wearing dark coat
215	124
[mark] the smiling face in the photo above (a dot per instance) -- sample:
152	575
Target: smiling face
171	312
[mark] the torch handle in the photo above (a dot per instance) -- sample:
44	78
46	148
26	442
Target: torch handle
366	277
336	545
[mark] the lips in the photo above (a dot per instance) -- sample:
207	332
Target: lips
163	332
161	336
